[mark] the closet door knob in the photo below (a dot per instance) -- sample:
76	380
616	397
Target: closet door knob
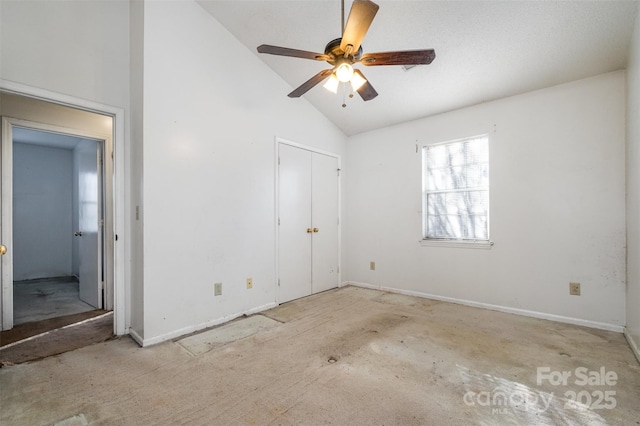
3	250
78	234
309	230
315	229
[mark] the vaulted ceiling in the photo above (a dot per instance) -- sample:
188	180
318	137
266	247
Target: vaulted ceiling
485	50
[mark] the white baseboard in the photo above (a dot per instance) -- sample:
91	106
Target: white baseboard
135	336
635	346
194	328
506	309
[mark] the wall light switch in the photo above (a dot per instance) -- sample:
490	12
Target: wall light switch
372	266
249	282
217	289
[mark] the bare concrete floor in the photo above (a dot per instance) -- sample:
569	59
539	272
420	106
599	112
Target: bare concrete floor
347	357
41	299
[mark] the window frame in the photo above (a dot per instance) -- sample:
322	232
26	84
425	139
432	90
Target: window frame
453	242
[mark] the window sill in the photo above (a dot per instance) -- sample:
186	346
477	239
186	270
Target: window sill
486	245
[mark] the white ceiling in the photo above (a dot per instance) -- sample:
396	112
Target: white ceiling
485	50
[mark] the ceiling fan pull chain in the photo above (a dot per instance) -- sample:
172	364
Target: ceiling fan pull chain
342	22
344	99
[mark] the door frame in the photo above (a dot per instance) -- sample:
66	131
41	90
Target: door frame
114	173
106	193
281	141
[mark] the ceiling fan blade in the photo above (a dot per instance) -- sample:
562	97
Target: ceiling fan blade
294	53
366	91
407	57
360	18
307	85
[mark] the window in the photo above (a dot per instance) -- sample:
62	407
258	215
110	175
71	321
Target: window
455	190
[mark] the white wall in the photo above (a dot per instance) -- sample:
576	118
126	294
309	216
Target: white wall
633	192
209	197
79	48
557	205
42	205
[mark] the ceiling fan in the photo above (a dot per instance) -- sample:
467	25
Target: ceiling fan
342	53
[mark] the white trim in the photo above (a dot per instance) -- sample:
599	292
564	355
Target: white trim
120	283
499	308
306	147
430	242
635	346
6	292
191	329
136	337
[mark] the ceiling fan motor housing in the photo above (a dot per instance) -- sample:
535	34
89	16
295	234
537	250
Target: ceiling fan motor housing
335	52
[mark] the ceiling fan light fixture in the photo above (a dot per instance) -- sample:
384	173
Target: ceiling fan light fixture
344	72
332	84
357	81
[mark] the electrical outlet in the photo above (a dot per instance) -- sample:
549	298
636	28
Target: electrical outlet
372	266
574	289
249	282
217	289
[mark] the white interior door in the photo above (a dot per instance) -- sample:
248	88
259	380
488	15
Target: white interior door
6	224
294	230
324	217
89	215
308	236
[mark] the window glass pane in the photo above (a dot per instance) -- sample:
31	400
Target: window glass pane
456	153
443	178
456	185
477	151
437	157
477	175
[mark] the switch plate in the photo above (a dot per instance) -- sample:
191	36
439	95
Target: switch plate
574	289
372	266
249	283
217	289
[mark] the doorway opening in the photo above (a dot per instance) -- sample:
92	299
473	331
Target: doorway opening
58	200
85	137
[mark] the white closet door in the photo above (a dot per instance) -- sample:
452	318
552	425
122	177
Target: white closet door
324	217
294	261
308	223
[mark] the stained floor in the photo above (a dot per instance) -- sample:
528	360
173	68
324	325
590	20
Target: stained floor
41	299
350	356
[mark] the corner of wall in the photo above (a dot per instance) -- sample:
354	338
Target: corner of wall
632	329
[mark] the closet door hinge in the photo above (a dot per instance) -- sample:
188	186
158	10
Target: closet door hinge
278	282
338	172
278	221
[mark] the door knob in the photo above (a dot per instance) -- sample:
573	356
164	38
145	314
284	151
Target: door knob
3	250
315	229
309	230
78	233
